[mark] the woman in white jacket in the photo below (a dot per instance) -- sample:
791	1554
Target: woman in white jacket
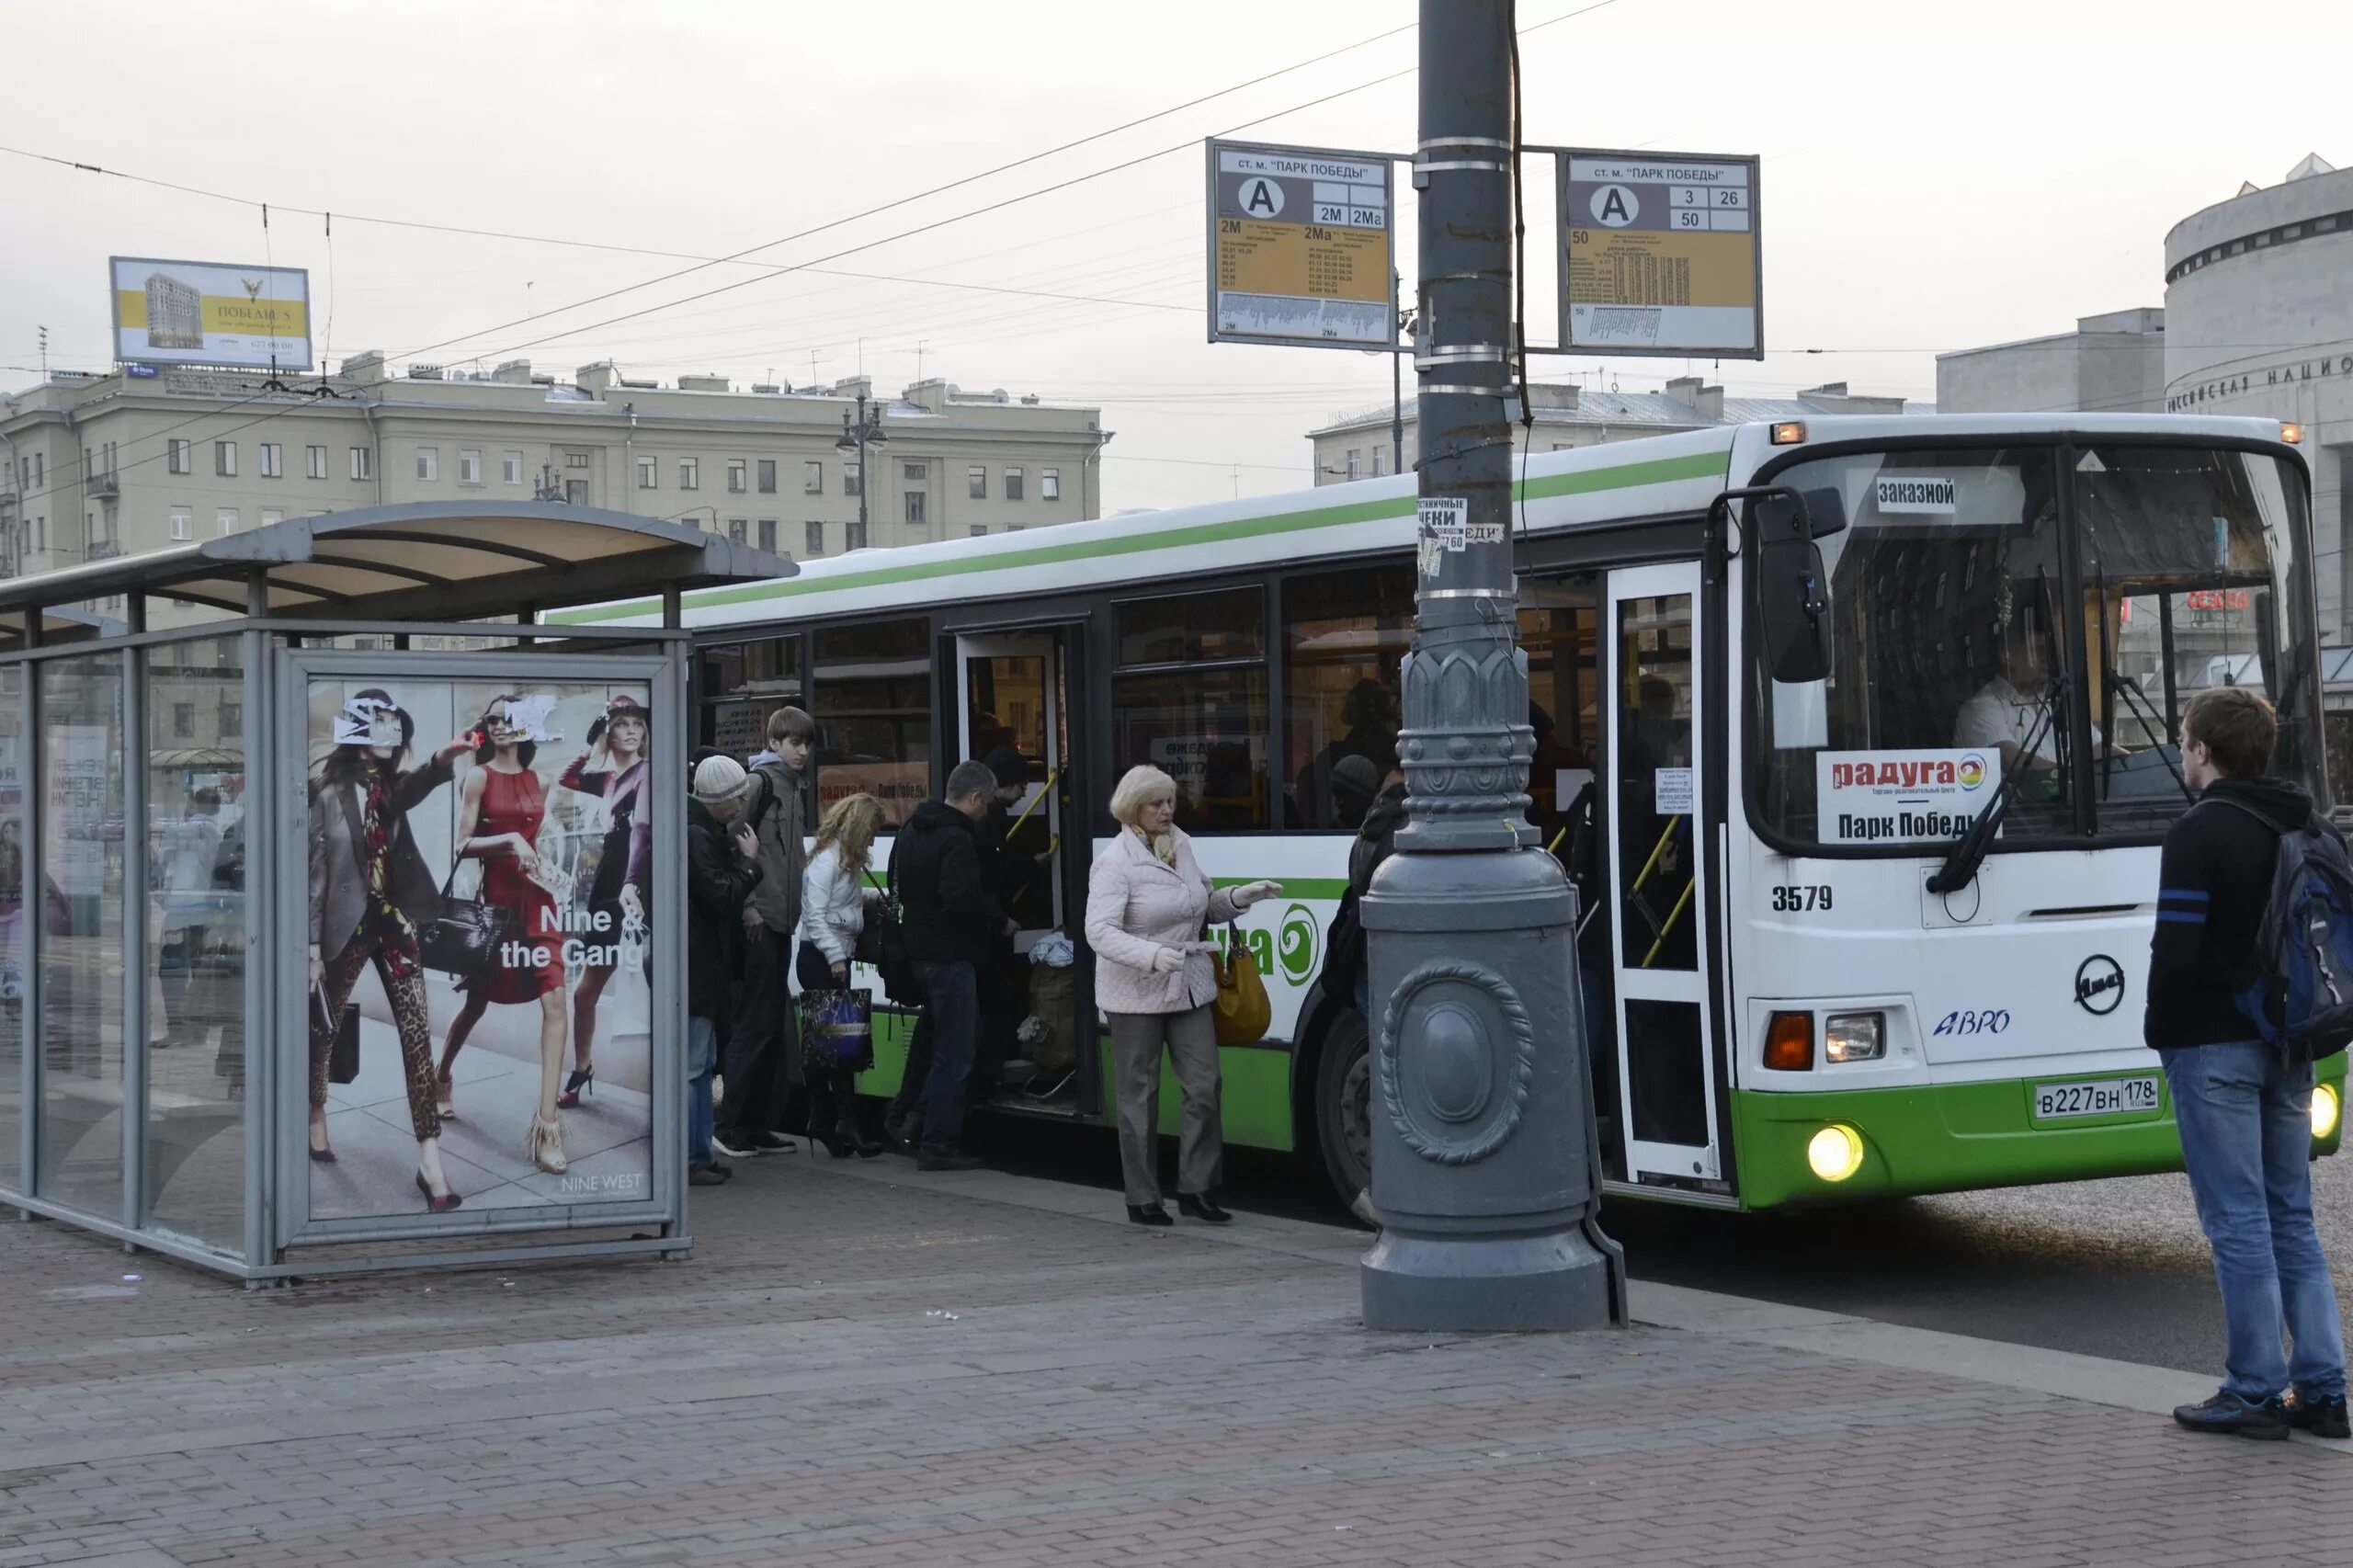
1146	901
834	896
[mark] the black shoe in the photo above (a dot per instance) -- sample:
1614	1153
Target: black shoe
734	1144
1199	1206
1149	1214
707	1175
769	1143
2227	1413
2320	1417
948	1162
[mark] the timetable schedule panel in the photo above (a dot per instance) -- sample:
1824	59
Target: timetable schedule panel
1662	254
1301	249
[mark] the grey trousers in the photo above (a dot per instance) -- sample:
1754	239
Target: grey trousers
1191	1039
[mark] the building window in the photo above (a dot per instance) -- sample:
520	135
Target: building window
183	720
737	528
1050	485
768	476
575	459
980	530
224	459
813	539
914	474
315	462
1013	528
183	525
690	473
510	467
649	470
1356	462
233	720
1380	460
853	536
470	465
40	469
767	533
1190	698
1013	483
273	461
1343	634
736	476
813	477
272	515
872	691
915	508
853	478
225	521
363	462
428	463
977	478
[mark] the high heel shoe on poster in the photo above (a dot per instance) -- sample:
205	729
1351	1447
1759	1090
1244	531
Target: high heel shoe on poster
442	1204
581	1081
543	1146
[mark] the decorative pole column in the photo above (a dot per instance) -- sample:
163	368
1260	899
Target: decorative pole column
1483	1172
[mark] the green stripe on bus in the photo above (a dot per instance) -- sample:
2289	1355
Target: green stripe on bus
1293	887
1658	470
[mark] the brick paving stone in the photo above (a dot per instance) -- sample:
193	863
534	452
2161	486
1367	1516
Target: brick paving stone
1101	1397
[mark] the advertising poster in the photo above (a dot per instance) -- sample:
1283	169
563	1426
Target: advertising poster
1903	797
479	890
201	313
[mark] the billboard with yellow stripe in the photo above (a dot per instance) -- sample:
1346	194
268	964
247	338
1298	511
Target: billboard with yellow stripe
201	313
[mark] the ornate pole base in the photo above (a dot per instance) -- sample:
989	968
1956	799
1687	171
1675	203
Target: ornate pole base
1481	1100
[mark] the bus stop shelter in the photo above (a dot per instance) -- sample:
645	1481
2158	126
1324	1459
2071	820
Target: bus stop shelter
291	820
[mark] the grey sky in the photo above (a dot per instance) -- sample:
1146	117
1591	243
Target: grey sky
1935	176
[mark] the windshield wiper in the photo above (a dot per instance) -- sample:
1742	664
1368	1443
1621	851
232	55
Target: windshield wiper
2114	685
1969	853
2143	710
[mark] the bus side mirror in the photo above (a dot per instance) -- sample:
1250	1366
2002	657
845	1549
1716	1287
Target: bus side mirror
1792	590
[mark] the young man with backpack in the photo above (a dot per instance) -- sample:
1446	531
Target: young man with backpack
760	1068
2229	1016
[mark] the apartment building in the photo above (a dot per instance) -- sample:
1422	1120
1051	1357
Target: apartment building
145	458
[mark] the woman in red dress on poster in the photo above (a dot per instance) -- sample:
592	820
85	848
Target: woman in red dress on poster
502	805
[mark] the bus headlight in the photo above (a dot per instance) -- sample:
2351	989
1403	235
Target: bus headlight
1836	1153
1854	1037
2325	1108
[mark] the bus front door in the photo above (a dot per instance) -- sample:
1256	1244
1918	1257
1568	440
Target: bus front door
1666	1069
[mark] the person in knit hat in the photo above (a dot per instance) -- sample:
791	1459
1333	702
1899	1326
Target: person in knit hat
723	868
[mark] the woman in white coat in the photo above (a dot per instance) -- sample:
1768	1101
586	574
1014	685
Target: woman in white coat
834	896
1146	902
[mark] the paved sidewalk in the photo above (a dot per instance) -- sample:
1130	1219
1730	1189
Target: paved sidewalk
862	1365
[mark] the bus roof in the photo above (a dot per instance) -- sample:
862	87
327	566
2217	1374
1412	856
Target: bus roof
1656	476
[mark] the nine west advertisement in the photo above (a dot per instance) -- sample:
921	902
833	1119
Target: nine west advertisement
481	891
1903	797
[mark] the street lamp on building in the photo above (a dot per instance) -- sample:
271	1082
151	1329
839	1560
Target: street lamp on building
859	433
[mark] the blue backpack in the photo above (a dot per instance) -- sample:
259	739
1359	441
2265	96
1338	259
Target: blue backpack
2300	996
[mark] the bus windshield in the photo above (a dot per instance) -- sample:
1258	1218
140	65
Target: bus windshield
2043	615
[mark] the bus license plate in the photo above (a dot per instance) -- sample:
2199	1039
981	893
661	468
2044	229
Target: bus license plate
2101	1096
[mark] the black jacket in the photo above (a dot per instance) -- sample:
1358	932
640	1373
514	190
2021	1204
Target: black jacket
718	881
2212	886
1344	943
935	871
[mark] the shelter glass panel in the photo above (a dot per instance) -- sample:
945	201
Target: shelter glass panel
14	752
81	1026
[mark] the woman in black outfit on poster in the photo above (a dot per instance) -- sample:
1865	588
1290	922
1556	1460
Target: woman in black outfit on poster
624	883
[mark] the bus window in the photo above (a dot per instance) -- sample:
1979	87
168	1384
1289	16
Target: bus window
1190	698
743	683
1948	654
871	698
1345	634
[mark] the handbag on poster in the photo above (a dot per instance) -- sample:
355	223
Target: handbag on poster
465	936
343	1036
836	1030
1243	1011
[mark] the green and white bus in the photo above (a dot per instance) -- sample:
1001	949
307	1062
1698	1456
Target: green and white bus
1810	984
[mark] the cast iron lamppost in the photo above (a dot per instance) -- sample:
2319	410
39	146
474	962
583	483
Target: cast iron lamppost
858	435
1483	1176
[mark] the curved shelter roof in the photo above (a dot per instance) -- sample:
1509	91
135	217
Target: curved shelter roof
438	561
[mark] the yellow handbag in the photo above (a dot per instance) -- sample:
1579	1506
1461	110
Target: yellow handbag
1242	1010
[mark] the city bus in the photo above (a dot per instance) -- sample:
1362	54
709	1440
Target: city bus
1866	921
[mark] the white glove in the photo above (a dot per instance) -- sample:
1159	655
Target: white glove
1256	893
1166	961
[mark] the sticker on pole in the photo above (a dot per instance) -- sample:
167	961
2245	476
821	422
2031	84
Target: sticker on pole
1903	797
1443	528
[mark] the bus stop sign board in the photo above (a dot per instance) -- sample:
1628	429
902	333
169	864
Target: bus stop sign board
1662	254
1301	250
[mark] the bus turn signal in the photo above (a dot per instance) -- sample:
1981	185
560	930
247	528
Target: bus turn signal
1789	1043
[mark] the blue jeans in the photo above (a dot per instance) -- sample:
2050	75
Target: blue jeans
2245	1120
702	1059
953	1011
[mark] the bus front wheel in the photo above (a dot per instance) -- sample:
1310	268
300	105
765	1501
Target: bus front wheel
1344	1106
